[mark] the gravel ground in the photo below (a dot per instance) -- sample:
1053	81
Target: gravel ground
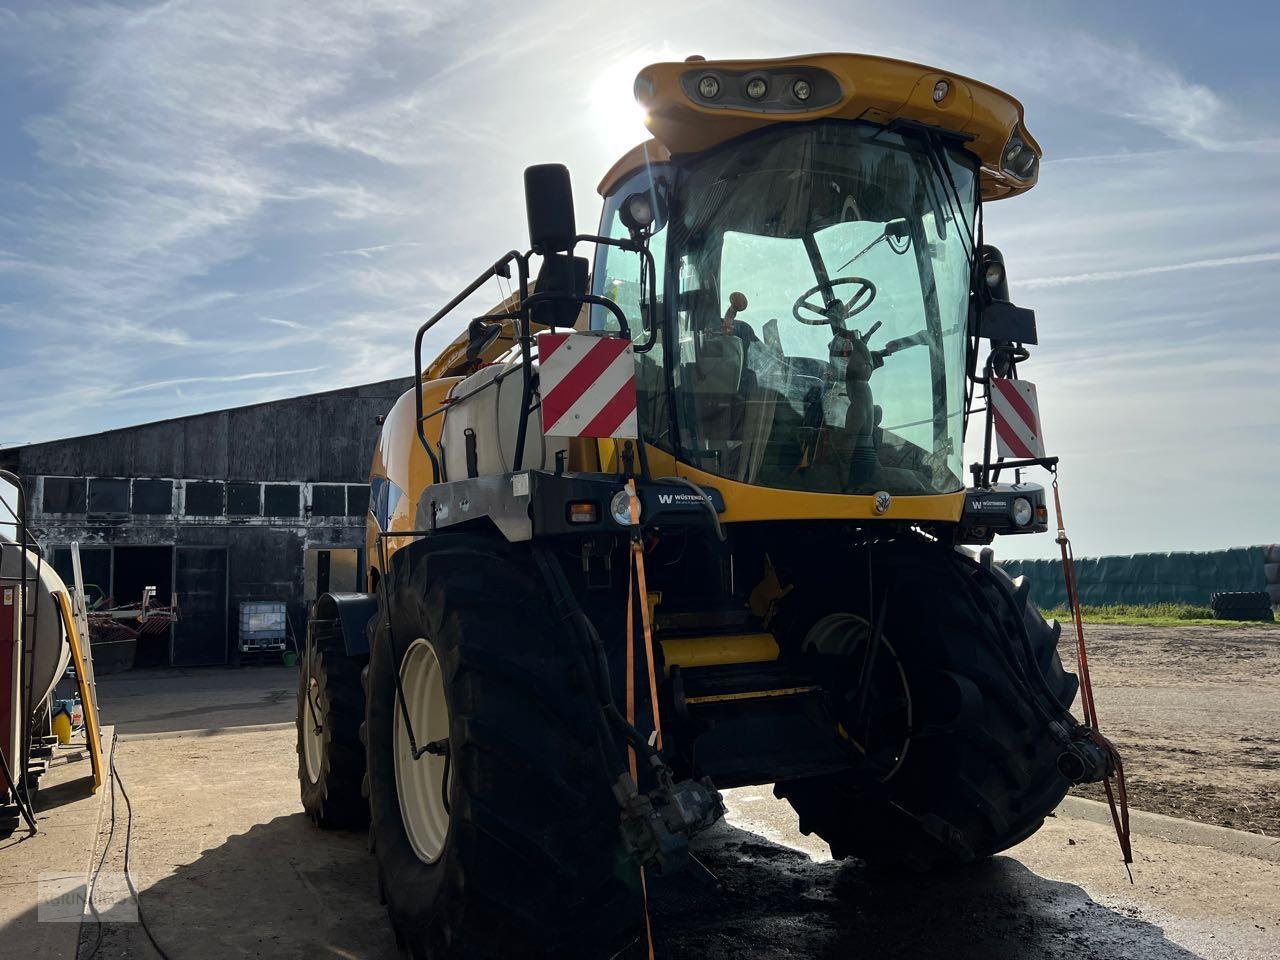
1195	713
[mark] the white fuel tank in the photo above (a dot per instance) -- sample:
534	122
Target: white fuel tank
50	651
487	403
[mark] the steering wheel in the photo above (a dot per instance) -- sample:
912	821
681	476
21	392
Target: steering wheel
839	311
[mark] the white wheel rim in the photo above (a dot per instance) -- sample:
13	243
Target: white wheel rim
313	730
420	782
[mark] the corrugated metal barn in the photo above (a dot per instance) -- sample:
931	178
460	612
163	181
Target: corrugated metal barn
263	502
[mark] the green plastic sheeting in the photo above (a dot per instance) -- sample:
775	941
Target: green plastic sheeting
1145	577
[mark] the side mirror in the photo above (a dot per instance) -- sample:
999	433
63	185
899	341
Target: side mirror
548	200
481	335
565	276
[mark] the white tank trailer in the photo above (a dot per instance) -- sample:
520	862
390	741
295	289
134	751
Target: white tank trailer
34	653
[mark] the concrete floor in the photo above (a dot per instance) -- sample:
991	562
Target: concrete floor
229	867
34	870
198	698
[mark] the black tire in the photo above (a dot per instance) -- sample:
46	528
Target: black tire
1239	600
334	799
532	863
979	774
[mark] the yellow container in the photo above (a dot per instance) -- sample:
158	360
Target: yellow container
62	726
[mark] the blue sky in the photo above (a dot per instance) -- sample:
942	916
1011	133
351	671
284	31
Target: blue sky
205	204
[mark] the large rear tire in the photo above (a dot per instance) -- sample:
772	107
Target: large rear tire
526	859
979	773
330	710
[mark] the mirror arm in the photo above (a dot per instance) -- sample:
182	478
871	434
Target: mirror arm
552	295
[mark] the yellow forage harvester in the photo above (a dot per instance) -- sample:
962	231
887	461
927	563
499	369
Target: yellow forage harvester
688	511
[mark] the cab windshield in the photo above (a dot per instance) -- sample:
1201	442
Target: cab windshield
816	296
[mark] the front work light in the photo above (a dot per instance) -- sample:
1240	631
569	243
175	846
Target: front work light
620	507
709	87
636	213
1021	511
757	87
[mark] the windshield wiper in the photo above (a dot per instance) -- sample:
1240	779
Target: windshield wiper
884	236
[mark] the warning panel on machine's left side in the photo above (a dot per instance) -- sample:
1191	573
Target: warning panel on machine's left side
588	385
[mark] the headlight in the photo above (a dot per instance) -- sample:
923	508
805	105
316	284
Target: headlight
709	87
757	87
802	90
1019	160
620	507
643	89
1021	511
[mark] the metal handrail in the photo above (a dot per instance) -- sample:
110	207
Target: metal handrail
502	268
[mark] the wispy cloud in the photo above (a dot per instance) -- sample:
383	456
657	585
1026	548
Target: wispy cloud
228	378
1099	276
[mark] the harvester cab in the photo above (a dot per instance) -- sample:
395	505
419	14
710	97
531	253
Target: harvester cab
693	515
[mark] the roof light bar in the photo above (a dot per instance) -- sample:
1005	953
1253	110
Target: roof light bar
783	90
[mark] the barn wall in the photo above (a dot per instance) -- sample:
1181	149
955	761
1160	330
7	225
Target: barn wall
323	438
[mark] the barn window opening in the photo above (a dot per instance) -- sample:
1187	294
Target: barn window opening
244	500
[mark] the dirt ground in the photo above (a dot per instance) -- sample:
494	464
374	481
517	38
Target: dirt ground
1195	712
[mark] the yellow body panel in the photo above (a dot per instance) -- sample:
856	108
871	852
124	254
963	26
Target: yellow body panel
877	89
745	502
713	651
401	459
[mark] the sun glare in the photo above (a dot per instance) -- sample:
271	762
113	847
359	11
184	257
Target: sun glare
617	119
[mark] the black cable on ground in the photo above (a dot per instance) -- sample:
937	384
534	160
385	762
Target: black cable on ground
128	842
128	845
97	871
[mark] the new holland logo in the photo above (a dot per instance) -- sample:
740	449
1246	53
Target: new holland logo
883	500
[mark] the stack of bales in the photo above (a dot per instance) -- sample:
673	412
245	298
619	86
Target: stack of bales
1273	573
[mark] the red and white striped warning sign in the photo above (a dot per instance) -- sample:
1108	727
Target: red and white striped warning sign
588	385
1017	418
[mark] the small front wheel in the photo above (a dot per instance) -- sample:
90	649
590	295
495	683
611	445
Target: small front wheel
330	708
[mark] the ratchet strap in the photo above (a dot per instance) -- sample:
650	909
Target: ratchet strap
636	585
1117	796
638	591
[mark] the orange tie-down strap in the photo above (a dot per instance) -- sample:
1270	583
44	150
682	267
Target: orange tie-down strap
636	584
1117	797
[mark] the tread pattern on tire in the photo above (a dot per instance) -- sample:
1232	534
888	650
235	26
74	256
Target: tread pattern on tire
988	777
532	863
335	801
1241	605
